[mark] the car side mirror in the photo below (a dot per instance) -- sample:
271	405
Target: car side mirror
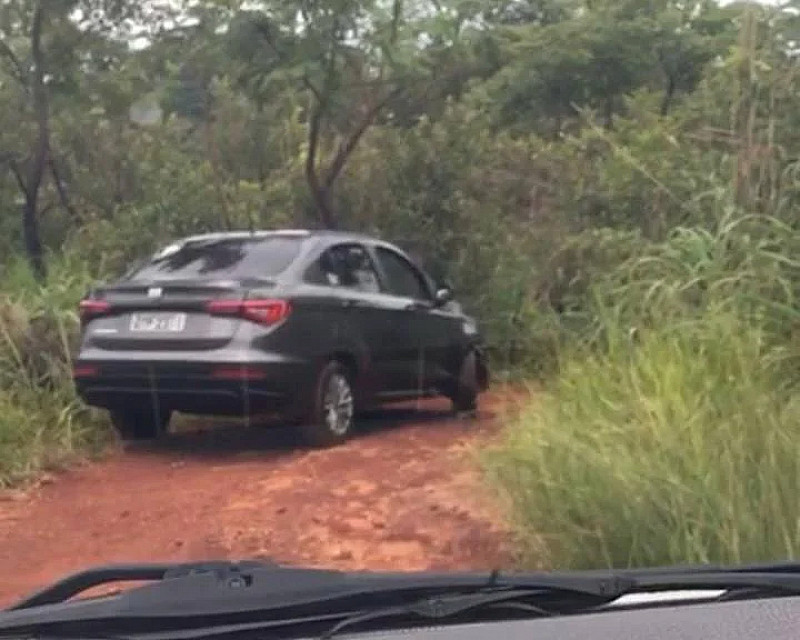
443	295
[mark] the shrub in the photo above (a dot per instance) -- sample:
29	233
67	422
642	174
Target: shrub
679	449
670	433
42	422
41	431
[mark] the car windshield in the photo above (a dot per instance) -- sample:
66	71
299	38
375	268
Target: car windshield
226	258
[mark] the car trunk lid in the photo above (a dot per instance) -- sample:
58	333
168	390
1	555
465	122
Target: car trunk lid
167	315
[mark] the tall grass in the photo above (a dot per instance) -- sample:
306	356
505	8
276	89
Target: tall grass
671	435
40	432
42	423
679	449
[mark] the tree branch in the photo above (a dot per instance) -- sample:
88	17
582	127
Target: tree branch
61	189
397	11
18	175
38	161
312	88
46	208
346	148
8	156
19	71
318	191
40	105
264	30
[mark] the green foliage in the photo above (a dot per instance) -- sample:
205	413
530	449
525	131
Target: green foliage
42	422
668	435
42	432
676	449
746	265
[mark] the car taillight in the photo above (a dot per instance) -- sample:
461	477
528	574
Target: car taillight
89	308
84	371
266	312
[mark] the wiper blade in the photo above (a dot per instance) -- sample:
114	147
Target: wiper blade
604	585
224	594
203	598
77	583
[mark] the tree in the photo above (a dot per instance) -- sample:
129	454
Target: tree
587	61
29	72
349	58
41	42
519	12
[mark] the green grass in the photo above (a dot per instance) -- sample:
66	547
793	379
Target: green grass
679	448
41	432
42	423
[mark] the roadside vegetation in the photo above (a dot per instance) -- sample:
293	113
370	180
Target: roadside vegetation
611	187
668	435
42	423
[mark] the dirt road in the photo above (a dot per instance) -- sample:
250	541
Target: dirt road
405	494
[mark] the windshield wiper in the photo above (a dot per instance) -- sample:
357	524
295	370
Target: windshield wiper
77	583
207	599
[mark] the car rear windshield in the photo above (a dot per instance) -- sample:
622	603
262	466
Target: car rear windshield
232	258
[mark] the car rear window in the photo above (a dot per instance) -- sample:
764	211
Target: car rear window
228	258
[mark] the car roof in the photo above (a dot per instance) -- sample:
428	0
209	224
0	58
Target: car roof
327	237
291	233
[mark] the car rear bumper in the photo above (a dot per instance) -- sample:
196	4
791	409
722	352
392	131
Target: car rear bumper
210	387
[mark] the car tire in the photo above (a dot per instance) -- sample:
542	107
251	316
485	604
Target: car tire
330	421
468	384
139	423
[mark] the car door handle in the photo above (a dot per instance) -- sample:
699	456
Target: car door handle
349	303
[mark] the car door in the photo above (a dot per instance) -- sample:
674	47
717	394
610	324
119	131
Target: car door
368	323
431	332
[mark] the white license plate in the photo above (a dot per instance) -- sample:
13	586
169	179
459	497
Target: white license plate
158	322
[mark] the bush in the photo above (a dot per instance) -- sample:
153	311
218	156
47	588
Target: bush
42	422
679	449
43	431
670	434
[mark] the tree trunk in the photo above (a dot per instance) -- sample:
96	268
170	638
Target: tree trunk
261	169
40	151
63	196
322	200
119	164
32	238
322	189
351	141
608	108
669	93
319	192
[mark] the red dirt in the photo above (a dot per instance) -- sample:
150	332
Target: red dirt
403	495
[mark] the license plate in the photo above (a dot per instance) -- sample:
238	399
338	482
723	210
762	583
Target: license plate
158	322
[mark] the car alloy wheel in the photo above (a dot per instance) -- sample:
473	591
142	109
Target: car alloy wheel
338	405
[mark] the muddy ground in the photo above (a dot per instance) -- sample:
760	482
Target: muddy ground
404	494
